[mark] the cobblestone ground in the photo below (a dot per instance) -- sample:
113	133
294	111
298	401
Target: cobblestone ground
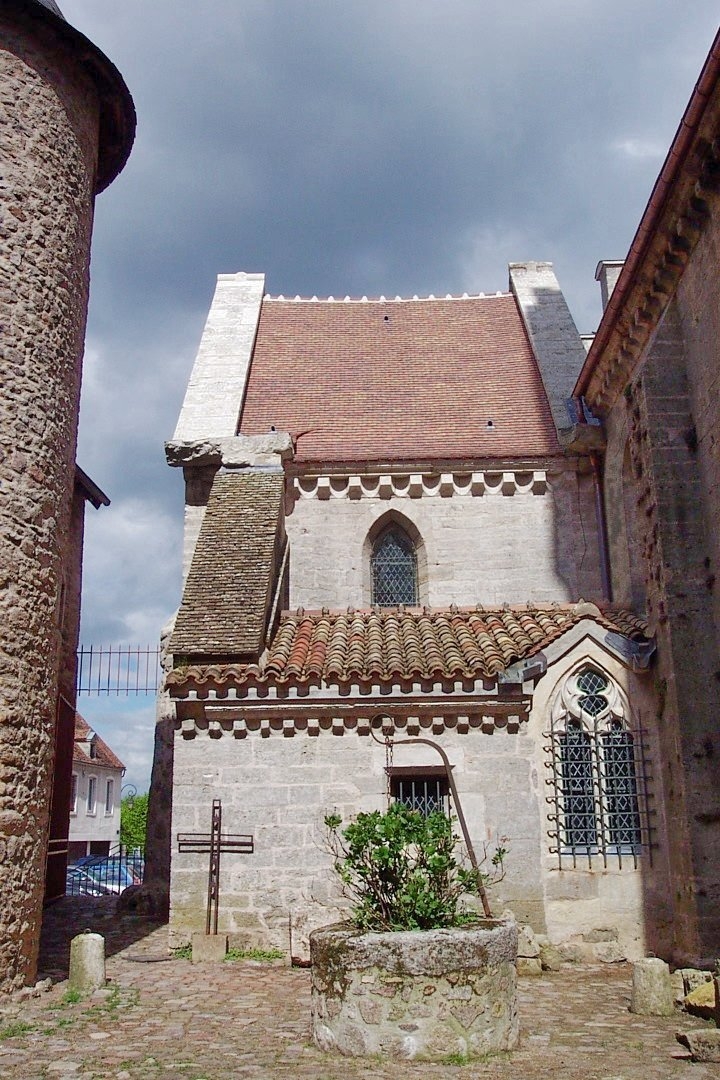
165	1019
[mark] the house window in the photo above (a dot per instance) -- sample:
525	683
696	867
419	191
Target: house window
109	796
92	795
423	789
394	569
73	793
599	779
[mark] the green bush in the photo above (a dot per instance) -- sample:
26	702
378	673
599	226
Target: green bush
133	822
402	870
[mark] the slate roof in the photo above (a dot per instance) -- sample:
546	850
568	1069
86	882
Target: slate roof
398	380
390	645
103	755
229	586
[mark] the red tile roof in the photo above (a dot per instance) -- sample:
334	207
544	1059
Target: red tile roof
102	754
388	645
398	380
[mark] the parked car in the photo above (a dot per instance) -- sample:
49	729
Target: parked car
111	873
79	883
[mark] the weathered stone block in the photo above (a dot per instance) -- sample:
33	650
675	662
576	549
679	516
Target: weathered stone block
651	989
209	948
703	1045
87	963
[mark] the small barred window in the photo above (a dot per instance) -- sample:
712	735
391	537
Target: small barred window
424	789
599	775
394	569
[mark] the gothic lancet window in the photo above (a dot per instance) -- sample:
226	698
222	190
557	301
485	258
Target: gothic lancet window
393	564
599	799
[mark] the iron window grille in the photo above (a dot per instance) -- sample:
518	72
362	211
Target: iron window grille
599	778
423	789
394	569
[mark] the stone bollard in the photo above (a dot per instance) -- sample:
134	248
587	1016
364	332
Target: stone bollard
87	962
652	993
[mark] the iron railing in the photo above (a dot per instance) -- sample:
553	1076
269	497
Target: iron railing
104	875
118	670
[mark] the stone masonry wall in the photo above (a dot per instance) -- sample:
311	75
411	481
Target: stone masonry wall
698	301
48	129
488	549
675	536
279	788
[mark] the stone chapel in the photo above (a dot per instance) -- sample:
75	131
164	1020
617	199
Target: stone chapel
386	535
440	522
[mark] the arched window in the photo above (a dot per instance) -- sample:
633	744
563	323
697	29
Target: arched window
599	805
393	565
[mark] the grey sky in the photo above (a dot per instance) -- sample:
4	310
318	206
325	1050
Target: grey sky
363	148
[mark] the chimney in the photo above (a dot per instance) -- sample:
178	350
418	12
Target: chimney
607	273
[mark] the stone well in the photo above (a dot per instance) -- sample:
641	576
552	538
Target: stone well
416	994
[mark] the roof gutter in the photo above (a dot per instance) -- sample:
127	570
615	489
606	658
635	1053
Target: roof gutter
674	161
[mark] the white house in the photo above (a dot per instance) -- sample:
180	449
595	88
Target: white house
95	794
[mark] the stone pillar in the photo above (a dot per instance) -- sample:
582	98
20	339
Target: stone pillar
651	990
87	963
51	146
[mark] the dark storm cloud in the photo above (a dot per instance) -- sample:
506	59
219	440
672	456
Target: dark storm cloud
362	148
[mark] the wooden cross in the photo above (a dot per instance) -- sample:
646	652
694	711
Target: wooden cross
215	843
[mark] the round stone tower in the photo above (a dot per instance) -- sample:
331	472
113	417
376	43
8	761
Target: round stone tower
66	128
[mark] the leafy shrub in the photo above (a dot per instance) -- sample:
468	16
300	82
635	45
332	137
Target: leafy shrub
402	870
133	821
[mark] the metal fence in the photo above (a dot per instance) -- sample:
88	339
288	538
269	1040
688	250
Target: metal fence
104	875
121	670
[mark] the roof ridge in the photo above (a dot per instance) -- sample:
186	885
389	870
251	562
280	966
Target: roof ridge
382	299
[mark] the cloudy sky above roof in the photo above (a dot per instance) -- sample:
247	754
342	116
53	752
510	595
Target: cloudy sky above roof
393	147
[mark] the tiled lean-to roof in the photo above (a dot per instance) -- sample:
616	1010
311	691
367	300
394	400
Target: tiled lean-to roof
232	575
390	645
398	380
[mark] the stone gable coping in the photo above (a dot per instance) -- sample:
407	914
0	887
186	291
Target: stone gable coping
217	385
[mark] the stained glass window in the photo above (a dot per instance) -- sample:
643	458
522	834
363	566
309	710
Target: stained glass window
394	569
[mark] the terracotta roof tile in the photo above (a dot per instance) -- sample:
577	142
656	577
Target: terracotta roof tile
391	645
398	380
229	587
101	755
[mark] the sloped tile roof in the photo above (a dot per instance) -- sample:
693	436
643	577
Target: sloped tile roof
102	754
389	645
229	586
398	380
